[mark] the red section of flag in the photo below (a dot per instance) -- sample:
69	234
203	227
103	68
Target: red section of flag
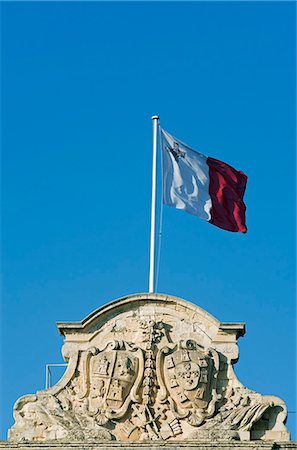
226	189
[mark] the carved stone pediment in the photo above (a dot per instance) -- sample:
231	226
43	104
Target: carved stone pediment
149	367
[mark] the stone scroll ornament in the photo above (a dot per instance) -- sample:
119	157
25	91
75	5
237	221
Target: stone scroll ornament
140	371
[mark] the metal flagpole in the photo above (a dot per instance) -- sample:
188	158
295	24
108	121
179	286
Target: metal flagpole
155	120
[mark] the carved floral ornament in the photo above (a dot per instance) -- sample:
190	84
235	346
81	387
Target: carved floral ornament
149	367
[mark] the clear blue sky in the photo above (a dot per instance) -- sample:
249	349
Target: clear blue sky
80	82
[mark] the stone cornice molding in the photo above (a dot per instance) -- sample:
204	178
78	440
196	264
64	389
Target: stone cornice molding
134	300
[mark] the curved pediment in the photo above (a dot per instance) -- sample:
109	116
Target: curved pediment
131	307
149	367
133	301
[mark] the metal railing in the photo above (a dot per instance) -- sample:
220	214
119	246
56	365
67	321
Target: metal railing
48	373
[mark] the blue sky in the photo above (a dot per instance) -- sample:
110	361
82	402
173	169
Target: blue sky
80	82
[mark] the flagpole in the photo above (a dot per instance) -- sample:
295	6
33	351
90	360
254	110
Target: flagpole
155	120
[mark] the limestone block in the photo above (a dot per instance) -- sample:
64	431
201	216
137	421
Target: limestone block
167	445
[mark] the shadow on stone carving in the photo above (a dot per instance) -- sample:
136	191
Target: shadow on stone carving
149	367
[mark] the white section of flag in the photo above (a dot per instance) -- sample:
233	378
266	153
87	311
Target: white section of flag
185	177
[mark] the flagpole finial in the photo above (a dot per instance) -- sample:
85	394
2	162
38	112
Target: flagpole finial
155	117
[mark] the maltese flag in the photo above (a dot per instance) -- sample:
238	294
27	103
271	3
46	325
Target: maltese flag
202	186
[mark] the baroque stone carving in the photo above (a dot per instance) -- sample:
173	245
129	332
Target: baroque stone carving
149	367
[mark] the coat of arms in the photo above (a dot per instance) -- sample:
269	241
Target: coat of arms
188	380
113	376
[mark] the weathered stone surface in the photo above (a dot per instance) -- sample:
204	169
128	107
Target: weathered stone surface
149	367
177	445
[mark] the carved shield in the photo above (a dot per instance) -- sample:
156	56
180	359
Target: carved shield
189	376
114	379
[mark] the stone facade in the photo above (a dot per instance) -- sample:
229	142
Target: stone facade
153	445
149	368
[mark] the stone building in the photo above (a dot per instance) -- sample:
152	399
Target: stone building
149	371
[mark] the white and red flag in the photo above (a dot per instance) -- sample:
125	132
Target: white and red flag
203	186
